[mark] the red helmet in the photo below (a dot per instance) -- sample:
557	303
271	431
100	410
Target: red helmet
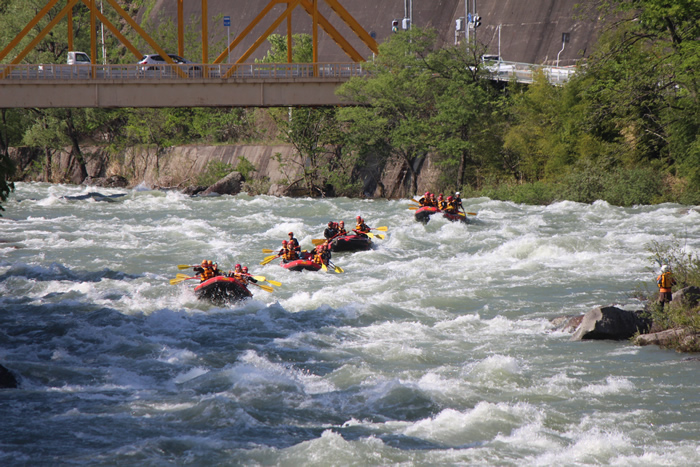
245	268
440	195
284	242
238	266
450	198
359	218
291	234
427	193
204	262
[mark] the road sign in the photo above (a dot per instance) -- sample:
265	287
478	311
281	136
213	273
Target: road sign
227	21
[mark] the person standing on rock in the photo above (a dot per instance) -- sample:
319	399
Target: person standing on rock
665	281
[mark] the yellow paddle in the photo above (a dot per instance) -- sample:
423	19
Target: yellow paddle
266	288
414	208
267	250
318	241
181	277
383	228
185	266
337	269
324	267
263	279
268	259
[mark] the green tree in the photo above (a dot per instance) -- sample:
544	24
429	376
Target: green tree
645	84
400	99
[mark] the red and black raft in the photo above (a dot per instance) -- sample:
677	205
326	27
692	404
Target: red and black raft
351	242
304	263
423	214
222	289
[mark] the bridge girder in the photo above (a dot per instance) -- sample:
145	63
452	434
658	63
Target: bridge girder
309	6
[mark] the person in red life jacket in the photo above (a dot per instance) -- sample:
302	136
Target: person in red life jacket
361	228
665	281
341	229
293	243
318	254
289	254
331	231
206	270
236	273
283	250
441	203
248	277
322	254
433	201
450	206
425	200
458	202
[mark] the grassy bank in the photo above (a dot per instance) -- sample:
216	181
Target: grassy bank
619	187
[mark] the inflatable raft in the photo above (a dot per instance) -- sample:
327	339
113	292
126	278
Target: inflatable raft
351	243
423	214
222	289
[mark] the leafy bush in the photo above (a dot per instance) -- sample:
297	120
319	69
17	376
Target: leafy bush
213	172
245	168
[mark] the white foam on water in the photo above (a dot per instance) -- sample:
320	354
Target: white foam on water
612	385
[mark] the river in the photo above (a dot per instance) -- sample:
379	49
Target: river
433	348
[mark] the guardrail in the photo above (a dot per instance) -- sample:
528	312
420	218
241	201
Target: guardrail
498	71
52	72
525	72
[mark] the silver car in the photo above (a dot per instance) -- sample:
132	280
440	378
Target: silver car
157	62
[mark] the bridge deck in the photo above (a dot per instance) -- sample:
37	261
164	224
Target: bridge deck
197	85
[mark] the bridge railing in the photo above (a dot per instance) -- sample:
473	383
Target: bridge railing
51	72
498	71
525	72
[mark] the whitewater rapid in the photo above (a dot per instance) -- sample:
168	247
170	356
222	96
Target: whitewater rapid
435	347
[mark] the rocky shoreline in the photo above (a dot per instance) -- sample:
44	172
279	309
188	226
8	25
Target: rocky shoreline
613	323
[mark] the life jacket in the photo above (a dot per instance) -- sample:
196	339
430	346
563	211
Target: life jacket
665	281
293	244
206	274
362	227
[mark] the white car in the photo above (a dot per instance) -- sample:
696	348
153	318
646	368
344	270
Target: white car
157	62
494	64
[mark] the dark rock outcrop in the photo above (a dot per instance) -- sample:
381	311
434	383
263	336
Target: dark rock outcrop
7	379
229	185
194	190
686	297
609	322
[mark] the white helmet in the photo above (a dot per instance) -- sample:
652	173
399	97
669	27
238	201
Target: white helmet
664	267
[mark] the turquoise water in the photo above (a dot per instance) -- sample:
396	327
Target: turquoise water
435	347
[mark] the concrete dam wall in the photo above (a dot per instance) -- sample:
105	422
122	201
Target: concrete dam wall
530	31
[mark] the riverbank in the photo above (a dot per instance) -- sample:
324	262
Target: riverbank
276	166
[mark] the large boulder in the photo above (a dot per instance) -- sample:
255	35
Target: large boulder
7	379
229	185
609	322
686	297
